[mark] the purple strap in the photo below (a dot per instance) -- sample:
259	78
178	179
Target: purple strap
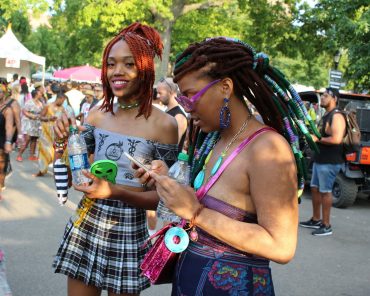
205	188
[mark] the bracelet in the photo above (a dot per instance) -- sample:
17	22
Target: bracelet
8	142
196	214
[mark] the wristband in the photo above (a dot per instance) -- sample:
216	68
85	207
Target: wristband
8	142
196	214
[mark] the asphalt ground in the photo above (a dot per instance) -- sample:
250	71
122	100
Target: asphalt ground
32	224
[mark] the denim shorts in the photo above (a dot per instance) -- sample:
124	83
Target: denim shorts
323	176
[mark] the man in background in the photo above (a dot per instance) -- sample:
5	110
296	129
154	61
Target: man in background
327	163
166	93
75	97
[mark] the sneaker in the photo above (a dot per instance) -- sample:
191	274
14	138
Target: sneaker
311	224
19	158
323	230
33	158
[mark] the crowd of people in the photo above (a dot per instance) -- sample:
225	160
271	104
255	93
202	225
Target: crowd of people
240	223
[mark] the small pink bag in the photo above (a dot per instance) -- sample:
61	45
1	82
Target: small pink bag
159	263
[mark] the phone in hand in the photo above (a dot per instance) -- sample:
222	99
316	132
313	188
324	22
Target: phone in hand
136	161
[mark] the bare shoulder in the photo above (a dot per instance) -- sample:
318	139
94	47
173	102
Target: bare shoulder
339	116
96	115
165	126
270	146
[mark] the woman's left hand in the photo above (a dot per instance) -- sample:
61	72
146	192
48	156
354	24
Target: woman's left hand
179	198
99	188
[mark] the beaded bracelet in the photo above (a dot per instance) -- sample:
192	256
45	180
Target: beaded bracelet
193	235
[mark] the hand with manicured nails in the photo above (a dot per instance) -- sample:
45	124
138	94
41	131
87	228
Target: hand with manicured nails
157	166
179	198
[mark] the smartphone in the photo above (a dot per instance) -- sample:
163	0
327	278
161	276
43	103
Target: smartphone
137	162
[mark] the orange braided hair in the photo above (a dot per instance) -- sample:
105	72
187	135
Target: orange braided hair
144	43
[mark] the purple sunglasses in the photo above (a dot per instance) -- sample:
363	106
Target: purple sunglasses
188	103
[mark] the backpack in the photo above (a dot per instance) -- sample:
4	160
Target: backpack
352	138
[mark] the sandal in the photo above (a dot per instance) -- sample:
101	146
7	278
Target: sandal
39	174
19	158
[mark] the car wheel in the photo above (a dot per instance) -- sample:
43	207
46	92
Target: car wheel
344	191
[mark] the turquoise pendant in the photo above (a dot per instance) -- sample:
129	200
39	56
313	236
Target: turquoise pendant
217	165
199	180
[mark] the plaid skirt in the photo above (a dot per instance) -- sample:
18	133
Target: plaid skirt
102	246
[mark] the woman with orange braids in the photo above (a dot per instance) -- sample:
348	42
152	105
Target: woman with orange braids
242	208
102	246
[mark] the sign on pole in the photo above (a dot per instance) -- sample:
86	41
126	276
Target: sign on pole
12	62
335	79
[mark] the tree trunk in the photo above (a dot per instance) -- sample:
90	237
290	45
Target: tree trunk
166	38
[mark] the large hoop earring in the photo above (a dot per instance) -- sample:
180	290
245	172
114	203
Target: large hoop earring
225	115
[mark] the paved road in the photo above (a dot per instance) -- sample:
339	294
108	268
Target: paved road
32	223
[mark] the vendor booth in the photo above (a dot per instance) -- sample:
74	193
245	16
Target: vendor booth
16	58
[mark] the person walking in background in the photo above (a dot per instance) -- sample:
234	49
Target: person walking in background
89	102
15	80
48	116
6	135
31	124
131	125
326	164
75	97
167	93
25	94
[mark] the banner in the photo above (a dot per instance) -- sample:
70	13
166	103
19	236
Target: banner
12	63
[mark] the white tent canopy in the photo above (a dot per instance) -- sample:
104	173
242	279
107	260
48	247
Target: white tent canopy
12	50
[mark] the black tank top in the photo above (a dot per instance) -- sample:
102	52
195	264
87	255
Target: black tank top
331	154
173	112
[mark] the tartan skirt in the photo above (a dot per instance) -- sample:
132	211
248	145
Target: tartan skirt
102	246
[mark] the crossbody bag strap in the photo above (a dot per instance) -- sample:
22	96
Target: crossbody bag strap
205	188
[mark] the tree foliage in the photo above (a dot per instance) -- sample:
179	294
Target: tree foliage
300	40
341	25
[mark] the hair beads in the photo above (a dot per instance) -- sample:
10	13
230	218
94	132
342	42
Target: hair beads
264	86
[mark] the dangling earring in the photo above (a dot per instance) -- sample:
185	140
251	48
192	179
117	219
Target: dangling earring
225	115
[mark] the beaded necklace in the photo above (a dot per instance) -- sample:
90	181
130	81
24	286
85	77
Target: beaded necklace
201	153
198	182
129	106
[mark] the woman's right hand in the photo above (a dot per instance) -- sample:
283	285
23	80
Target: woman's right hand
157	166
61	126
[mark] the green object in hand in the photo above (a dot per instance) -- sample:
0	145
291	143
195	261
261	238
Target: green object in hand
105	169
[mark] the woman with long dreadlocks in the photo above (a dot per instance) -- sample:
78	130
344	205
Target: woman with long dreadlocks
244	211
102	246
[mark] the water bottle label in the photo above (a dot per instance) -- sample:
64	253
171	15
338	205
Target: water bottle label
78	162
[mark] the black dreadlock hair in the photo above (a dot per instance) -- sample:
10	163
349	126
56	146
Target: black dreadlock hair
263	85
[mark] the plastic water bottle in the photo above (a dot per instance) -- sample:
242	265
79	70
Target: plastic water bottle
179	171
78	159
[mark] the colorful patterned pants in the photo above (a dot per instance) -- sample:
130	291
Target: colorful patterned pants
202	270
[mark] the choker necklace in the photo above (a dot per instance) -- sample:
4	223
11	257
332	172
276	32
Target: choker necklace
198	182
129	106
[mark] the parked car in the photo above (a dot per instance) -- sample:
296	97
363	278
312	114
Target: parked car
354	178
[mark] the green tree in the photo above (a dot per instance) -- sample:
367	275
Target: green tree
345	25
